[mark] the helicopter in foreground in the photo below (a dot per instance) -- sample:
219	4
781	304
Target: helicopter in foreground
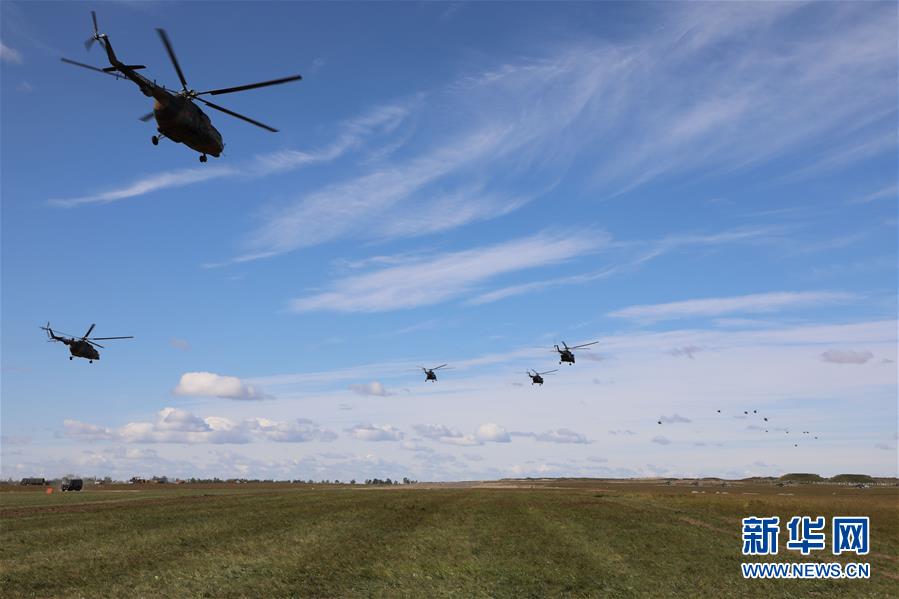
567	355
537	377
177	117
430	375
83	347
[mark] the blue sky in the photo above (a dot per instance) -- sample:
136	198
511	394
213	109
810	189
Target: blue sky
708	190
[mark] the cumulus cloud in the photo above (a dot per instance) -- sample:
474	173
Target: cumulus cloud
559	435
661	440
209	384
492	433
486	433
370	432
83	431
372	388
674	419
846	356
174	425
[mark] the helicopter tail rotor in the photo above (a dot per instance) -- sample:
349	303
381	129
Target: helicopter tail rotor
96	37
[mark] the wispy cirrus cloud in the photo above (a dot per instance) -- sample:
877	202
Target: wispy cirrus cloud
352	133
10	55
636	254
445	276
718	306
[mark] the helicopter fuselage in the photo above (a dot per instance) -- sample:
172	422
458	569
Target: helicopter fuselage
81	349
536	379
430	375
566	356
182	121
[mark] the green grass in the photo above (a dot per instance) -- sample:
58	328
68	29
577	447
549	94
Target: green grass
592	539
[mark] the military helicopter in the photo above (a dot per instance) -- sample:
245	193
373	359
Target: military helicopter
537	377
430	375
177	117
567	355
83	347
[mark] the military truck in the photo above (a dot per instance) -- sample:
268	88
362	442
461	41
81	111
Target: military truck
33	481
71	484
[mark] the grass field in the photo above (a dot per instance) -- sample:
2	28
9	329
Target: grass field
505	539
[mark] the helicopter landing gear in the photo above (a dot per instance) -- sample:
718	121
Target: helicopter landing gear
70	357
203	158
157	138
90	361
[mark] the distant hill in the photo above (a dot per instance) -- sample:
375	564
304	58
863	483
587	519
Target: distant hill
851	478
802	477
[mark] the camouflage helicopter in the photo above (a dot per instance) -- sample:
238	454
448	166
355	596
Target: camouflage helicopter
537	377
567	355
83	347
430	375
177	117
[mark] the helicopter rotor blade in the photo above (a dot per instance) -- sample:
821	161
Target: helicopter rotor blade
235	114
95	344
439	367
107	338
584	345
94	17
87	66
88	334
168	47
147	117
549	371
240	88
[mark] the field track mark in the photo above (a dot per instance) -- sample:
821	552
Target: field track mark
98	506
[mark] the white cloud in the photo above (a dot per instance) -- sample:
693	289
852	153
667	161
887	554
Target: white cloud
351	134
181	344
485	433
846	356
757	303
24	87
890	191
445	276
641	253
372	388
661	440
209	384
674	419
492	433
370	432
9	55
559	435
174	425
